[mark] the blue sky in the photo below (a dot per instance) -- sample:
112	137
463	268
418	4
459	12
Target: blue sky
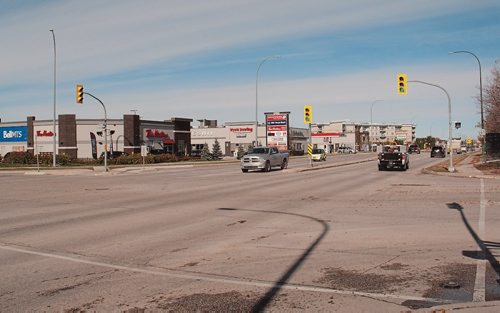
198	59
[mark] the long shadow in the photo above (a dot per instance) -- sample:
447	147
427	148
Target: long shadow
485	246
271	293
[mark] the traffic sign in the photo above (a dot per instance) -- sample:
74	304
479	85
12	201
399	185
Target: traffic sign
309	149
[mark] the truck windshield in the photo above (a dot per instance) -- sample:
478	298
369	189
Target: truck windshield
260	151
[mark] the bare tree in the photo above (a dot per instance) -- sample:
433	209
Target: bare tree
491	103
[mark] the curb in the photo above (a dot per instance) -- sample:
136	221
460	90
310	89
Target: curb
333	165
488	306
457	175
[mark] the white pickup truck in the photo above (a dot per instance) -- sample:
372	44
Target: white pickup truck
264	158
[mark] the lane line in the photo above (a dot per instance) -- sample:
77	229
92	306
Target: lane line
244	282
479	294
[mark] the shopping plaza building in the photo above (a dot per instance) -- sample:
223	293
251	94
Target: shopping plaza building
84	138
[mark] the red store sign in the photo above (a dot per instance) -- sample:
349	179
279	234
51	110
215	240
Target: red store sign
241	129
44	133
159	134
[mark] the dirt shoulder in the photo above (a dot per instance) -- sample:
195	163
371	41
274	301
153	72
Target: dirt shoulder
442	167
490	168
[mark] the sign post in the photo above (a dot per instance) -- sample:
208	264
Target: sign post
144	152
277	126
36	153
308	120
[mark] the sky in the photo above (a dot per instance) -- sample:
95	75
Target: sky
199	59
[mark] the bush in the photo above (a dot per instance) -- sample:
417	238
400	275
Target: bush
46	159
19	158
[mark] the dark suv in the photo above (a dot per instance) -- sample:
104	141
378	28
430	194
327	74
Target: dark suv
438	151
414	148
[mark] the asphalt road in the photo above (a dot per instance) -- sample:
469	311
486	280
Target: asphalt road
211	238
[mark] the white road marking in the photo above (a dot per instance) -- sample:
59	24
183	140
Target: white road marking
479	294
245	282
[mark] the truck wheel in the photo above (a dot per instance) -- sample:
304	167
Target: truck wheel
407	165
267	168
284	164
244	170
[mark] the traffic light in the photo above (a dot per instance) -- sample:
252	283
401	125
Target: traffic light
402	84
308	114
79	93
458	125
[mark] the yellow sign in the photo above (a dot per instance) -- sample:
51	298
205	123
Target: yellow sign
309	149
468	141
79	93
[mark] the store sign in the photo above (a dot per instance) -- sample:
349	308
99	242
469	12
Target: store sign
241	132
241	129
44	133
155	133
203	133
13	134
159	135
401	137
277	130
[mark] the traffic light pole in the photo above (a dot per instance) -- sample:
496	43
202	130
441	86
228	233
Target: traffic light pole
105	131
450	168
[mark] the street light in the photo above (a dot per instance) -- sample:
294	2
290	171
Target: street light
480	84
272	57
450	167
54	117
371	122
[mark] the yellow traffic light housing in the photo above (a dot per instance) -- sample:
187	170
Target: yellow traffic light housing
79	93
308	114
402	84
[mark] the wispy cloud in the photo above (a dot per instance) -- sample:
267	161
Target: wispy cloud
129	34
121	49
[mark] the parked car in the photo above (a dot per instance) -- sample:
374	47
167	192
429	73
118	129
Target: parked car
414	148
318	155
264	158
438	151
346	150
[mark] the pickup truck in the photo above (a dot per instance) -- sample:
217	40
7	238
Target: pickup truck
393	156
264	158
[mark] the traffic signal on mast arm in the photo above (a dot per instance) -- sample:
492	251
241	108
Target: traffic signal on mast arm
79	93
402	84
308	114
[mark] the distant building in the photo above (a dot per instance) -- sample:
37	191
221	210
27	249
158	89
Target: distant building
359	136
